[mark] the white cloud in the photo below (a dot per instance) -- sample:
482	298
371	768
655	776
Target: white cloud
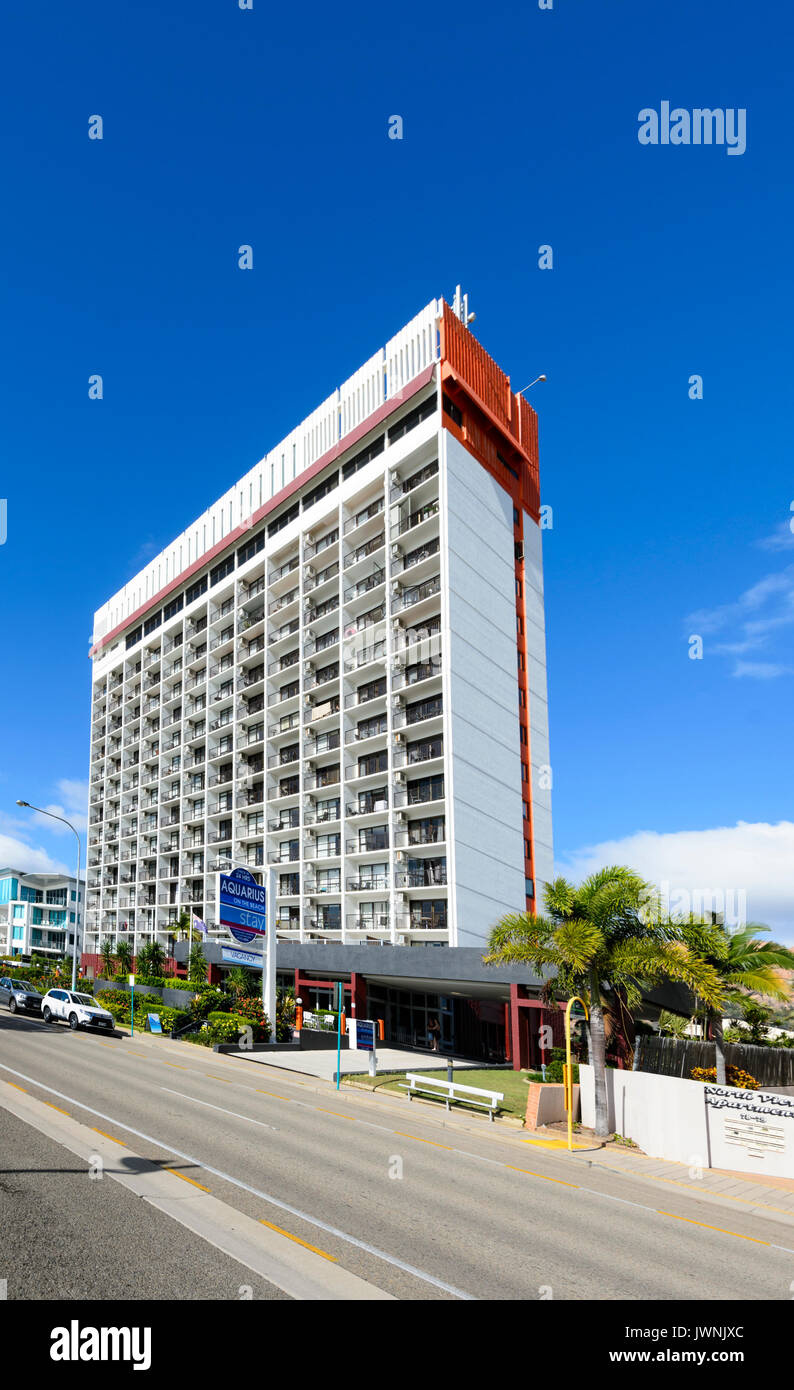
72	807
782	538
754	858
16	854
750	624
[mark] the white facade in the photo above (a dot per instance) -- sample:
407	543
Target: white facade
38	913
329	694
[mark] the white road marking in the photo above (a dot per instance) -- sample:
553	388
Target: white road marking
220	1108
255	1191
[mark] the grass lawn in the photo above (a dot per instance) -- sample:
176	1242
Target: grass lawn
513	1084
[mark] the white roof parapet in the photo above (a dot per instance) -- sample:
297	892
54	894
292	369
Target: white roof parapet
380	379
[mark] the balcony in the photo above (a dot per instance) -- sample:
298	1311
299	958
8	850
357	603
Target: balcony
373	581
362	551
433	874
282	570
416	518
276	605
366	514
368	883
365	655
314	580
416	593
414	672
401	487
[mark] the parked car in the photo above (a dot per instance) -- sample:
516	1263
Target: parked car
18	994
79	1010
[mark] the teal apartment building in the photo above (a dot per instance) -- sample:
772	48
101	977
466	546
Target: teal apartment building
39	912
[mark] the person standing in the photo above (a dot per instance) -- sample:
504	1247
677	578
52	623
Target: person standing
434	1033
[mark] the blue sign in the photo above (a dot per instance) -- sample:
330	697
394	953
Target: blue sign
365	1035
231	957
155	1026
242	905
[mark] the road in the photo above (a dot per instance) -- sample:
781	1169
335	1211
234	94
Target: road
375	1196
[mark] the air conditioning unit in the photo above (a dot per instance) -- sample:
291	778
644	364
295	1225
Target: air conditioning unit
308	537
399	738
399	779
309	572
396	588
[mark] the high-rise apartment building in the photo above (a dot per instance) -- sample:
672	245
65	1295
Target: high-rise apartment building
337	673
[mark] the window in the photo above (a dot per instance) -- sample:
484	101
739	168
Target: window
366	456
327	485
171	609
283	520
425	789
152	623
251	548
196	590
452	411
371	690
222	570
376	762
133	637
412	419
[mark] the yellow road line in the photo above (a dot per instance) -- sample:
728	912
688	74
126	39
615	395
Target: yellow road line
552	1143
273	1094
212	1077
16	1088
298	1241
338	1113
56	1107
544	1177
184	1178
178	1065
420	1140
120	1142
707	1227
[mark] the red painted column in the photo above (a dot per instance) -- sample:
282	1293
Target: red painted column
508	1039
358	995
515	1027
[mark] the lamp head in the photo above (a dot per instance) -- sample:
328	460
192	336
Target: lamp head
23	803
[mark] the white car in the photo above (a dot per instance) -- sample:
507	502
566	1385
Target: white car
79	1010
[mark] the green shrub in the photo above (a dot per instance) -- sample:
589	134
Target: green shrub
554	1070
227	1027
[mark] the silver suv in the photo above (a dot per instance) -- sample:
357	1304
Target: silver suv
18	994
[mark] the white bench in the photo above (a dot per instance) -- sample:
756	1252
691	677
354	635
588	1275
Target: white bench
451	1090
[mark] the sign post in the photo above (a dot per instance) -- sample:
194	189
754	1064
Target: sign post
338	998
132	1005
567	1069
363	1035
242	910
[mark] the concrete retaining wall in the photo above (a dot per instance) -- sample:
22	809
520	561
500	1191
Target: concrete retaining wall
697	1123
174	998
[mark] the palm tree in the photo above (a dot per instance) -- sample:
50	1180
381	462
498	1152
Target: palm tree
124	957
143	960
596	937
744	965
108	956
197	966
156	959
241	982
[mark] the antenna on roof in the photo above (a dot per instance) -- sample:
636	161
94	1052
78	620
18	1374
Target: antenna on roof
460	307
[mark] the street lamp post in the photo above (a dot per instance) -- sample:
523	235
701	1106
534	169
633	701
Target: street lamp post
52	816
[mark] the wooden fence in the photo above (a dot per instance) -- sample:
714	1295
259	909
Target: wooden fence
771	1066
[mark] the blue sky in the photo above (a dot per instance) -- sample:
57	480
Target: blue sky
269	127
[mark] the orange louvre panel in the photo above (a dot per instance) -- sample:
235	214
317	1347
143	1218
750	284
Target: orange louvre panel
469	360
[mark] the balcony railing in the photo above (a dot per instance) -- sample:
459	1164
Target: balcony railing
415	518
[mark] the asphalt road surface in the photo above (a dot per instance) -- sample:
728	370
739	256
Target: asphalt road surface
397	1199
